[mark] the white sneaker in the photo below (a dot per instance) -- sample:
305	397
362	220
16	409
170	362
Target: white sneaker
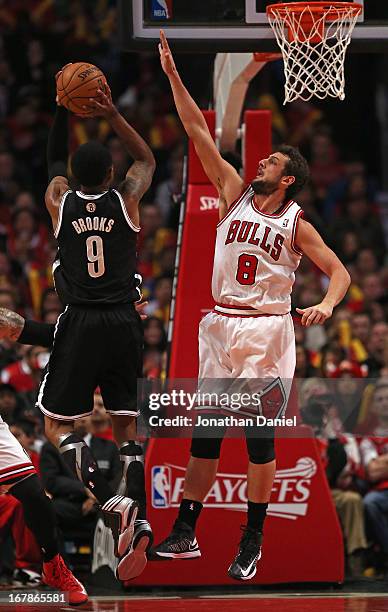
133	563
119	514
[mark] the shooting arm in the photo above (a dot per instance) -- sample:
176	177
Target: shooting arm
57	156
139	176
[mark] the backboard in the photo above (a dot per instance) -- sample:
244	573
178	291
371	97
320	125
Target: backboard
228	25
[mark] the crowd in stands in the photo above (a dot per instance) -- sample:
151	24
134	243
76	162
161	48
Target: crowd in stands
342	367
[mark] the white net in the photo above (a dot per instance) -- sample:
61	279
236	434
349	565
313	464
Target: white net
313	43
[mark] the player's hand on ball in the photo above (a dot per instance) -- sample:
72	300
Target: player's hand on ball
102	105
166	58
315	315
56	79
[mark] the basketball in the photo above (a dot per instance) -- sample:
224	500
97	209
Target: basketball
77	83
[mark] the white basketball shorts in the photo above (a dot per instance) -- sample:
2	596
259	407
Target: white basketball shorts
15	463
258	348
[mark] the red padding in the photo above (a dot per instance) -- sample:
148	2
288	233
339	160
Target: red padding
258	140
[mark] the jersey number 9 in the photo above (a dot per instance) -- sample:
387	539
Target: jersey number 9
95	255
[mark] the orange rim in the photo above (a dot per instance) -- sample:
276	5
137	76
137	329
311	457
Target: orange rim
315	7
266	56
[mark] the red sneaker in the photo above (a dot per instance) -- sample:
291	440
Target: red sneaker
56	574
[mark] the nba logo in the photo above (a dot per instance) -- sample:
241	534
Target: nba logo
161	9
161	486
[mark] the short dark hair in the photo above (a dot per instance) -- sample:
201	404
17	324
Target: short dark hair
90	163
27	427
296	166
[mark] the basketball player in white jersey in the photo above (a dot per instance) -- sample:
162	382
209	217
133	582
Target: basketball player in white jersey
249	335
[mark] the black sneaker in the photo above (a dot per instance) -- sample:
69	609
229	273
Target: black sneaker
134	562
180	544
23	577
249	553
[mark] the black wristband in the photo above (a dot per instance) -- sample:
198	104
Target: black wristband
38	334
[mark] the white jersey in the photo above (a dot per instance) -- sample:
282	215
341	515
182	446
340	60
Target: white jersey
255	258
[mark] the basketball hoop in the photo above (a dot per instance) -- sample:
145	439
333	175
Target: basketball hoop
313	38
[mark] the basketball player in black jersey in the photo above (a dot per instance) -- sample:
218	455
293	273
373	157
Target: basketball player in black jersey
98	338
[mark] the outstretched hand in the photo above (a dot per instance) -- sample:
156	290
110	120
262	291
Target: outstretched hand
315	315
102	105
166	58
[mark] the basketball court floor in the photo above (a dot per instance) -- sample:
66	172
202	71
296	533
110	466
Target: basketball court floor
238	30
295	602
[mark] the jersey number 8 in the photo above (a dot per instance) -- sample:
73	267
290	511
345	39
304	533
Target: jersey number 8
95	254
246	269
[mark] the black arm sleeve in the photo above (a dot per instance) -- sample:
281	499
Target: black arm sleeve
57	145
39	334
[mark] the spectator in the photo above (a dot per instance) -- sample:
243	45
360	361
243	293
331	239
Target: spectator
25	375
100	421
358	218
155	343
366	262
168	193
160	306
361	326
342	461
50	301
376	346
24	431
348	390
303	368
11	404
325	167
374	452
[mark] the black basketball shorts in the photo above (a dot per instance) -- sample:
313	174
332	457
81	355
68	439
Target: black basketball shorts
93	347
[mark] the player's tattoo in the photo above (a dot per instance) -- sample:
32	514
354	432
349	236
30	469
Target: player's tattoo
11	323
138	180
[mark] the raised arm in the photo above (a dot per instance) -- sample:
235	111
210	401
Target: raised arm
312	245
57	155
223	176
139	176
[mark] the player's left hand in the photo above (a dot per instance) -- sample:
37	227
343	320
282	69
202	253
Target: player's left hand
56	79
166	58
315	315
140	309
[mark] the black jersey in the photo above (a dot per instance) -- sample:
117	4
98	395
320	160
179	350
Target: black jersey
96	261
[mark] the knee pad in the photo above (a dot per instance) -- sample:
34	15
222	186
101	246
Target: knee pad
261	450
206	448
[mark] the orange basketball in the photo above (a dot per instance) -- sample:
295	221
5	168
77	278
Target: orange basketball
77	83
